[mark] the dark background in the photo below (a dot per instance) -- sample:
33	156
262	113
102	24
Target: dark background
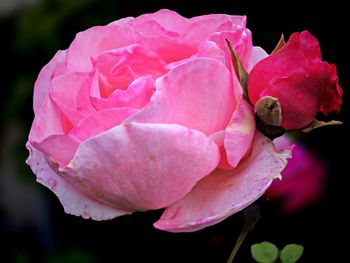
33	226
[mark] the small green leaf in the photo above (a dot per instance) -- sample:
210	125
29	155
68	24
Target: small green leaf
291	253
264	252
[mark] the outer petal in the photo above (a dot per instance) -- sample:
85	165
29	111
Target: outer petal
48	121
202	27
59	148
239	133
142	166
223	192
43	82
88	44
182	97
99	122
168	20
257	54
73	201
62	148
241	41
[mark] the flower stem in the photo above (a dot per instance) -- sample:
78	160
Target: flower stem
252	216
242	236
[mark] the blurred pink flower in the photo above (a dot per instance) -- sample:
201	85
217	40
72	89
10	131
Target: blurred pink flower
303	179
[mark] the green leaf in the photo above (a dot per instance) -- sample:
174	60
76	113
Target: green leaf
264	252
291	253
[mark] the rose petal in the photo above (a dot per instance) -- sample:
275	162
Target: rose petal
181	97
48	121
119	67
239	133
43	82
202	27
241	42
73	201
99	122
74	104
60	148
207	49
166	19
225	192
257	54
88	44
136	95
142	166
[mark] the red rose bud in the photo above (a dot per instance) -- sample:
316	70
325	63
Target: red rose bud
302	83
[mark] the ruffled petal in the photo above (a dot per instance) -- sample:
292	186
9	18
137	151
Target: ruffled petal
165	20
225	192
88	44
48	121
137	95
43	82
258	54
181	97
119	67
73	201
99	122
70	92
142	166
239	133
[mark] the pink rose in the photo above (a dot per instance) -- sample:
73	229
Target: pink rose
140	114
299	79
303	179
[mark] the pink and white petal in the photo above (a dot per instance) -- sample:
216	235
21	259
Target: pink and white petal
167	20
181	97
218	138
43	82
207	49
73	201
74	104
202	27
48	121
72	90
99	122
142	166
133	60
59	148
169	48
137	95
225	192
239	133
257	54
88	44
241	42
121	22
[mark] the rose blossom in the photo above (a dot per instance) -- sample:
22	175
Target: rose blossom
303	181
299	79
147	113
